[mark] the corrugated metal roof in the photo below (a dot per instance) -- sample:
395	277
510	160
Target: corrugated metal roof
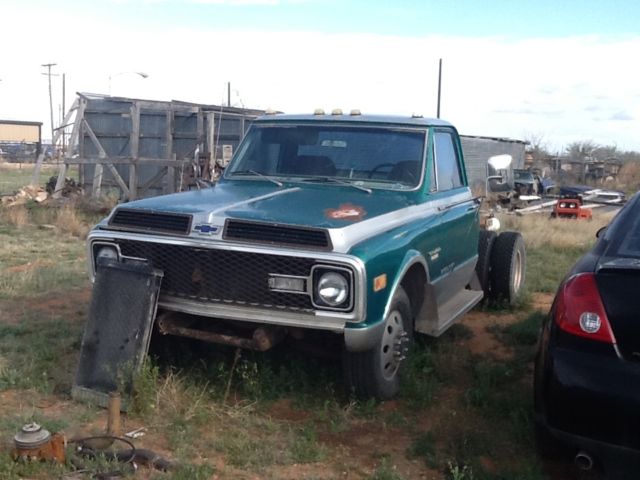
20	122
497	139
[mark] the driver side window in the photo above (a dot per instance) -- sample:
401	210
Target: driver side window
447	161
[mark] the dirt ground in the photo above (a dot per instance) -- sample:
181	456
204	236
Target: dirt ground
353	453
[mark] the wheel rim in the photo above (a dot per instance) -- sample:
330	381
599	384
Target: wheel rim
392	348
517	271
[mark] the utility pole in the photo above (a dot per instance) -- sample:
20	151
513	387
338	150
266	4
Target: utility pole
64	111
439	86
228	94
49	74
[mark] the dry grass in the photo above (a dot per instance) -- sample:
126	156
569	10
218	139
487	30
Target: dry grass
629	177
17	216
68	221
65	219
539	230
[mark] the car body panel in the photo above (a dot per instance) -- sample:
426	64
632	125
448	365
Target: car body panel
585	390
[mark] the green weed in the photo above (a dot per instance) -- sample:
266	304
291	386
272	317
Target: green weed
304	446
457	472
424	447
386	471
523	333
40	355
188	472
547	266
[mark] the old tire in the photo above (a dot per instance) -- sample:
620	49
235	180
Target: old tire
376	372
483	267
508	262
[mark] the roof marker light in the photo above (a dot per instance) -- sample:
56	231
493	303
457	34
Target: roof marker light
336	111
417	115
270	111
318	111
355	112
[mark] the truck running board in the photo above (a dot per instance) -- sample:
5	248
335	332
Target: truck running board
452	310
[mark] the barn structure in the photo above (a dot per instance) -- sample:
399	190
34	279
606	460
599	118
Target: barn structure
477	150
143	148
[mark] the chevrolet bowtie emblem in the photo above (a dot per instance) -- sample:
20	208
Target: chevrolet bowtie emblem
206	229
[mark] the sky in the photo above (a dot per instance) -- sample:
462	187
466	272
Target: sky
562	71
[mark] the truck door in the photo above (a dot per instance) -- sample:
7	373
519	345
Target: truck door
458	229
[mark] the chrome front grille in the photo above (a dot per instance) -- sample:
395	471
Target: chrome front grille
223	276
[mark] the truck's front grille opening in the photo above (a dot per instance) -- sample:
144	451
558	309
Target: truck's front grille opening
223	276
277	234
151	221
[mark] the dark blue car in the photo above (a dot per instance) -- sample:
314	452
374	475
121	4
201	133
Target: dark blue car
587	373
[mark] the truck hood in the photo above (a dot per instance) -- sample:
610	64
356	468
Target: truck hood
312	205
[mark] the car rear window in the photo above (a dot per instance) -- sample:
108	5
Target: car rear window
624	233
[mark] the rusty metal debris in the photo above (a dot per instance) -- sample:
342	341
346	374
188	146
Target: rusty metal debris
33	443
113	414
68	188
261	340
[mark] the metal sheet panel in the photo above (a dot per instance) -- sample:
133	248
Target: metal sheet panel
118	330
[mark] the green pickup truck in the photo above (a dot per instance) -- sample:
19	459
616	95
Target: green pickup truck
359	226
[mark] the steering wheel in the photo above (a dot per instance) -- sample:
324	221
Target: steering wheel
380	166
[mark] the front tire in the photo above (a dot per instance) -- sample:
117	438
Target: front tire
376	372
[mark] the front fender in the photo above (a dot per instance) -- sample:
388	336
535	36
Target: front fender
362	337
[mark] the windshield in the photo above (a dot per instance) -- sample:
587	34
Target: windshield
380	157
523	175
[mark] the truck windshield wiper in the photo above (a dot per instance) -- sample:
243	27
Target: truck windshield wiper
258	174
339	181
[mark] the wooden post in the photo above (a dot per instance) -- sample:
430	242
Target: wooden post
99	171
211	145
170	186
75	137
199	142
35	177
134	142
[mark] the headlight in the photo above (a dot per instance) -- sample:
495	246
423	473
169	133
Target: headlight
107	252
332	289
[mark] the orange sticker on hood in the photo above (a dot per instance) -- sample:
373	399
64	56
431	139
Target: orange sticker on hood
346	211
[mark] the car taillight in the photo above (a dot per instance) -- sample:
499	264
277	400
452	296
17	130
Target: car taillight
579	309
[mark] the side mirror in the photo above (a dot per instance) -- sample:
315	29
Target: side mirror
500	162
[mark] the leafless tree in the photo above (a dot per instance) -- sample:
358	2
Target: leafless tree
581	150
537	147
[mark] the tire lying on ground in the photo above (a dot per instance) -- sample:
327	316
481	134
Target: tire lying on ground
508	263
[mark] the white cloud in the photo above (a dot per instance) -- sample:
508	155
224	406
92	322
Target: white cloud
562	88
